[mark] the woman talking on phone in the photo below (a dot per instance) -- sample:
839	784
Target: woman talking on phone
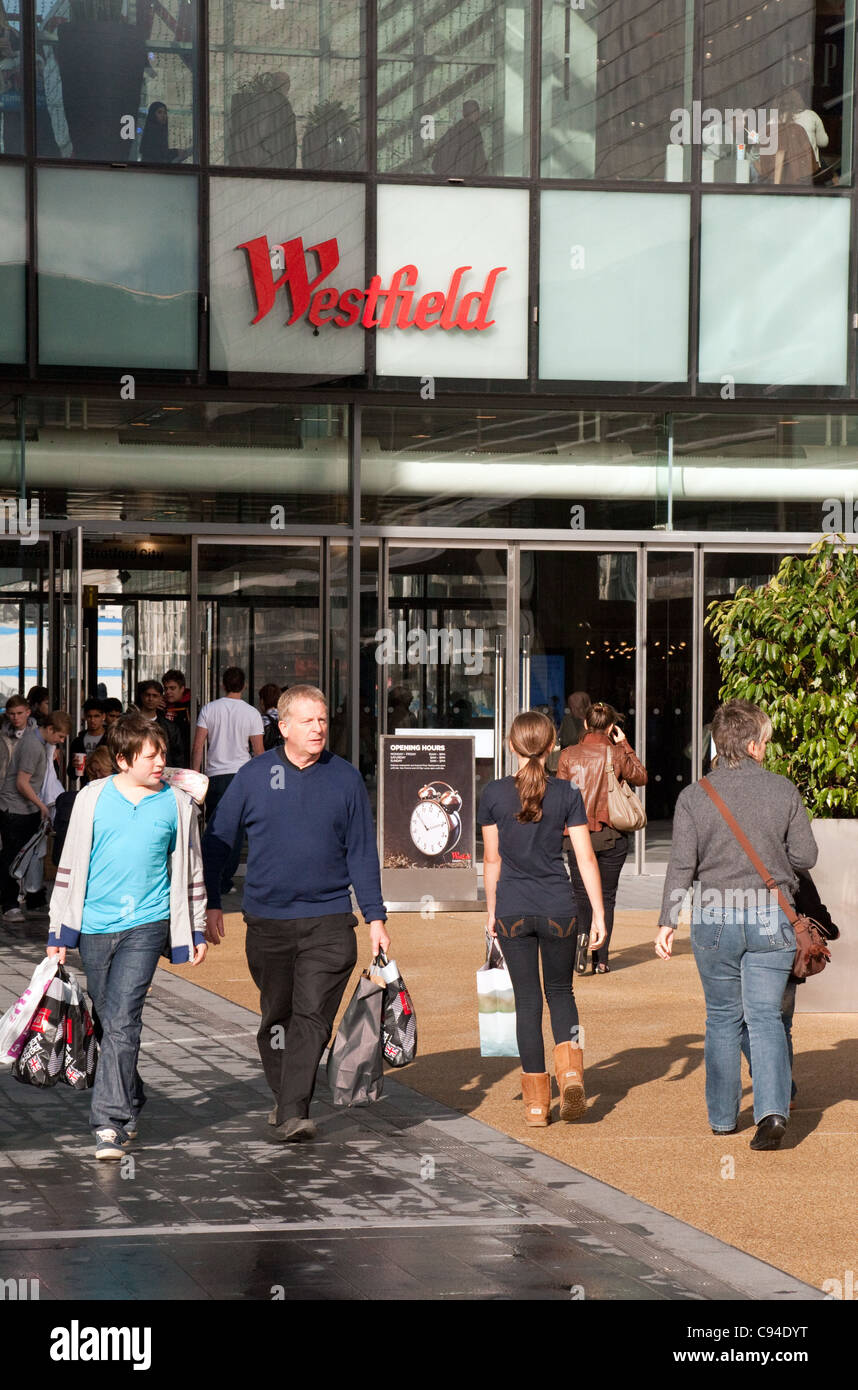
586	764
531	910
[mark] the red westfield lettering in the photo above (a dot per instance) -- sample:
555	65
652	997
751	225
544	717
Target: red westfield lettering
374	307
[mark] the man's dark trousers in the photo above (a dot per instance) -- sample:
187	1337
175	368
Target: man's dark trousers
301	967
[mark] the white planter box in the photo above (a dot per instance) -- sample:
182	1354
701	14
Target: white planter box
835	874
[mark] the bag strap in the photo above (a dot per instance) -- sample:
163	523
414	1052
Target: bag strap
751	852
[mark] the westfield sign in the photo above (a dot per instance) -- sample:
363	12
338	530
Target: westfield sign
393	306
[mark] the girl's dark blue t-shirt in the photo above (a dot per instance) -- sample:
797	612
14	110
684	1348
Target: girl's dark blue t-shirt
533	879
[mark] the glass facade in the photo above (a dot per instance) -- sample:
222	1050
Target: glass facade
529	325
287	86
121	292
116	81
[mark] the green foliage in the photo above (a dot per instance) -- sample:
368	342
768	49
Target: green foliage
791	647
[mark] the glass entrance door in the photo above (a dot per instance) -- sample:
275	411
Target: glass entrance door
259	607
439	649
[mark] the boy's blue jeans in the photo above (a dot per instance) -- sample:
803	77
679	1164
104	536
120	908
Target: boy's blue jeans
119	967
744	959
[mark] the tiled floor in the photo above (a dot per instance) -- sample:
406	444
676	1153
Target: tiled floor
404	1199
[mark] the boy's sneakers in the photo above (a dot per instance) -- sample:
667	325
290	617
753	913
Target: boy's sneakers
108	1144
13	914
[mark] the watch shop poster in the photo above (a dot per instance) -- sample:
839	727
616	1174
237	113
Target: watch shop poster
427	810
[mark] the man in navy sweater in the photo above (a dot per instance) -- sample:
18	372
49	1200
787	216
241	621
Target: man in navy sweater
309	834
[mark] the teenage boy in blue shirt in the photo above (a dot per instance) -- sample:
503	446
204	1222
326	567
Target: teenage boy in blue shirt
129	883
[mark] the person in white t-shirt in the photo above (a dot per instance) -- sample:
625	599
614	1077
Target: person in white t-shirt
225	728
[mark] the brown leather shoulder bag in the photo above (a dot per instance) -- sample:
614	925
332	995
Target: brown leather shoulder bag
811	953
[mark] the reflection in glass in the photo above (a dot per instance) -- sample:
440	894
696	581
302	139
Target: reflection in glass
263	615
670	605
442	675
489	467
774	473
13	258
612	75
11	83
453	88
591	649
106	65
777	92
285	87
144	461
117	263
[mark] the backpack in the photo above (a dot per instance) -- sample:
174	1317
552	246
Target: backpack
271	737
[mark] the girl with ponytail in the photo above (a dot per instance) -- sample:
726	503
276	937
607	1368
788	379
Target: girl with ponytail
531	909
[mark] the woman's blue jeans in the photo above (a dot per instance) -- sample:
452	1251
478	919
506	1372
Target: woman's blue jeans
744	959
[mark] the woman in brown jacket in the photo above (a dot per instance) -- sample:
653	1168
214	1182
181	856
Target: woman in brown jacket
585	764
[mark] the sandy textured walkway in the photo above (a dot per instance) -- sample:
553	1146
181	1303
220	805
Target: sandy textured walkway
645	1130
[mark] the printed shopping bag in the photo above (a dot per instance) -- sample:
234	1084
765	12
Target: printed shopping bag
59	1044
355	1067
496	1005
398	1020
16	1021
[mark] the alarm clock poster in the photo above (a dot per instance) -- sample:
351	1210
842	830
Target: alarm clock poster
427	818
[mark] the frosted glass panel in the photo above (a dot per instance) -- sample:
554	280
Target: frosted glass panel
614	286
13	256
117	262
774	290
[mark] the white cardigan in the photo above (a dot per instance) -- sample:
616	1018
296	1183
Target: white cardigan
187	888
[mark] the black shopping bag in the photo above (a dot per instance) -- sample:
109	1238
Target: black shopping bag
60	1042
398	1019
355	1069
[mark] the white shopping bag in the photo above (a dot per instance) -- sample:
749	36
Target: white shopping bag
16	1021
496	1005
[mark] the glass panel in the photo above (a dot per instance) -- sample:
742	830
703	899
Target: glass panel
469	248
778	312
777	92
116	642
266	613
453	87
267	464
612	79
118	80
13	253
487	467
339	739
627	297
445	607
10	669
670	606
370	671
723	575
286	88
591	647
765	472
11	81
121	287
247	214
23	566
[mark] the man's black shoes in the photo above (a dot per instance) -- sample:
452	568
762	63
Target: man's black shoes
770	1132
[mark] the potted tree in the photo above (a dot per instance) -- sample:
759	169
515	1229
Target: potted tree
101	59
331	138
791	646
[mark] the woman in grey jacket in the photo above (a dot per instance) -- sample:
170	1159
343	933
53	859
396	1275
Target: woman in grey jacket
743	943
